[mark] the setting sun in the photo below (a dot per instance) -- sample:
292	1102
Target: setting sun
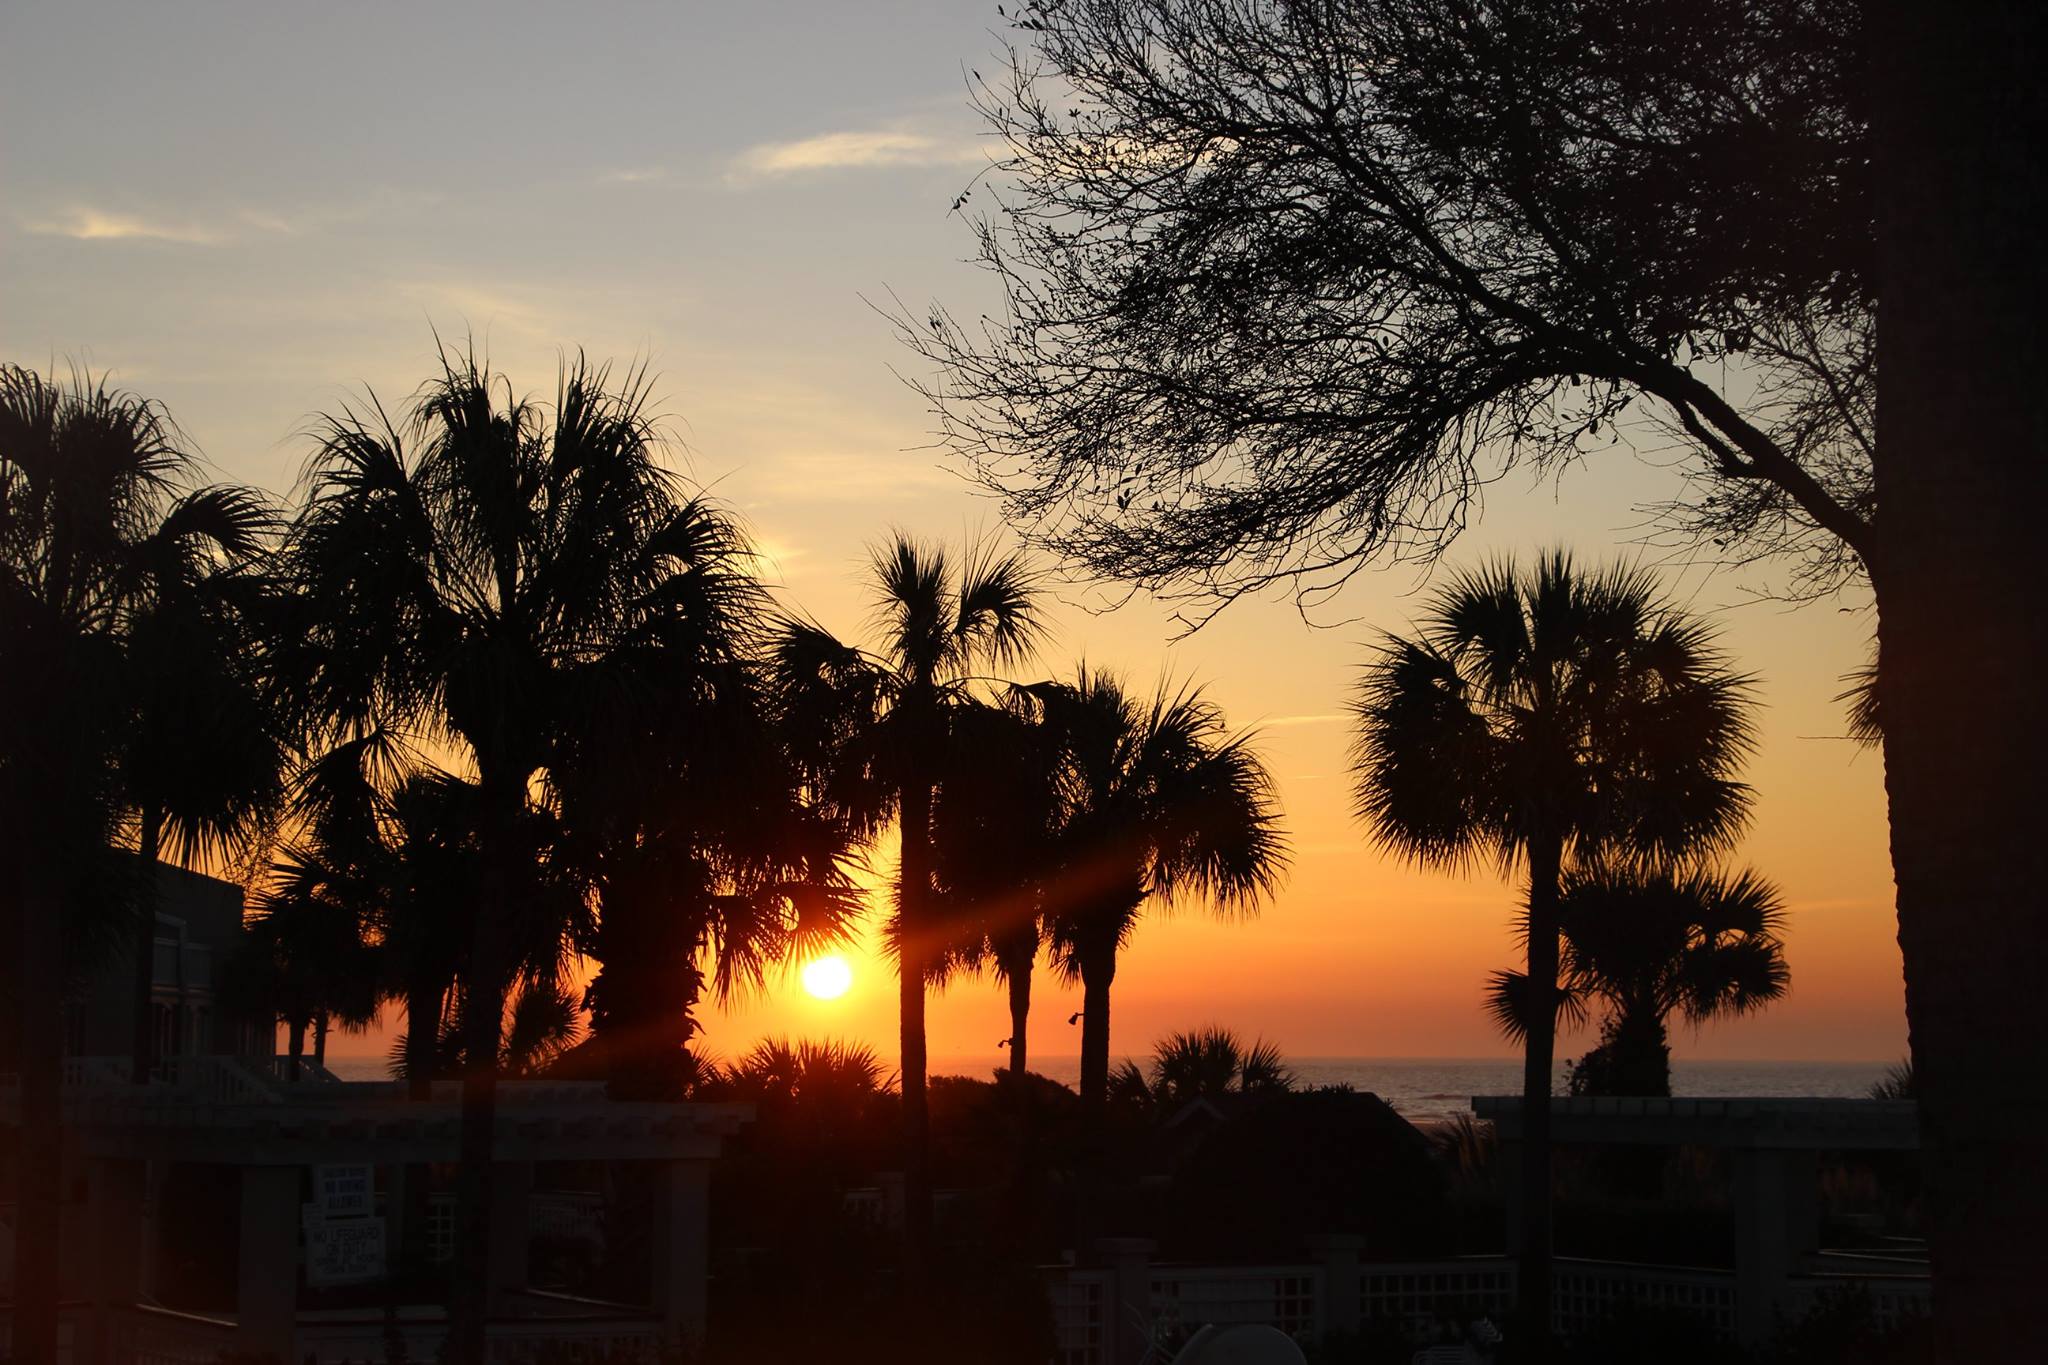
827	977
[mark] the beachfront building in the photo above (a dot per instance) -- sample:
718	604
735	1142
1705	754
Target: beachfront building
1125	1305
300	1220
227	1207
1774	1149
192	1013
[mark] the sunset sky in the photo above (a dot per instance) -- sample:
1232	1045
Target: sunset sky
250	211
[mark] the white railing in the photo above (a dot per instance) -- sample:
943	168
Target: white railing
1080	1306
1891	1298
279	1069
363	1337
1420	1293
1185	1298
221	1078
1588	1293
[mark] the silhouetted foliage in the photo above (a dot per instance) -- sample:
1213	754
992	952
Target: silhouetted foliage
1539	717
872	728
110	550
1273	1173
1159	804
1646	944
1286	285
1896	1083
995	819
706	850
1201	1064
476	574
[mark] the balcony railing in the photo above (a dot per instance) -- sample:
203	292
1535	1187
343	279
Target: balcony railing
607	1333
1185	1298
1421	1295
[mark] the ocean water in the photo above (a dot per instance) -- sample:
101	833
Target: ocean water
1431	1089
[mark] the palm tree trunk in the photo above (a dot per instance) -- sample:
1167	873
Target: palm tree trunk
422	1035
320	1040
1642	1053
1546	858
142	1038
39	1166
295	1045
1098	970
483	1007
1962	432
914	877
1017	976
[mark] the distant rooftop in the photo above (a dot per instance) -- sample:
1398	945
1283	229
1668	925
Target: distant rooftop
1778	1123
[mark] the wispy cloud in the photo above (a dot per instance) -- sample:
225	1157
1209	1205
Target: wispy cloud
857	150
633	175
219	226
1322	718
85	224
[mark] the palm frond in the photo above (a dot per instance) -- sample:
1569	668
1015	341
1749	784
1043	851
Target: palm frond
1510	1003
998	613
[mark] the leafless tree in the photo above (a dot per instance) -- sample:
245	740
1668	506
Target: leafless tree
1287	284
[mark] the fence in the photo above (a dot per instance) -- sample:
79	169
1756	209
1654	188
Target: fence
510	1342
1079	1307
1304	1300
1421	1292
1589	1292
1890	1298
1185	1298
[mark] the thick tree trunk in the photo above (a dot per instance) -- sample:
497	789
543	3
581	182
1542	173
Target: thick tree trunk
39	1166
142	1039
1020	1018
483	1009
422	1036
295	1045
1642	1054
1962	478
320	1025
1546	856
1098	971
914	875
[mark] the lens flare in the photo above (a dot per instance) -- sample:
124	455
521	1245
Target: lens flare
827	977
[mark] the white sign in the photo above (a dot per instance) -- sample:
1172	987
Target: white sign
345	1253
344	1191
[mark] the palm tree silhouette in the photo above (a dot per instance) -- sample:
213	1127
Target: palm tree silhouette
308	958
471	574
1648	943
994	829
874	727
1537	717
96	504
691	819
202	752
1200	1064
1159	803
815	1073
